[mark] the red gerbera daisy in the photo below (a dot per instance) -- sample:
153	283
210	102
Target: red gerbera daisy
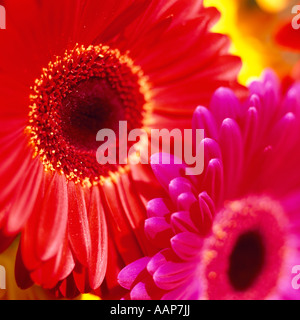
68	69
232	232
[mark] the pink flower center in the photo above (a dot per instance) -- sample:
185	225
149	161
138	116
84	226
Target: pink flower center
244	256
86	90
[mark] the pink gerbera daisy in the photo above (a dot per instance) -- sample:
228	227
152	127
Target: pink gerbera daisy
68	69
232	232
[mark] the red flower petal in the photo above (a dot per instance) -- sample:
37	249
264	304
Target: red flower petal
78	224
26	198
120	230
50	272
52	219
99	245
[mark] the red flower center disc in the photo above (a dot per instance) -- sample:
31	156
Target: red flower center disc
86	90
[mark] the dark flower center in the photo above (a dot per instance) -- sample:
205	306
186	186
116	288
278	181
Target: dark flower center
246	260
91	106
86	90
244	256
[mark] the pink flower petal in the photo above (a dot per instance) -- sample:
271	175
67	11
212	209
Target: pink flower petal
203	119
224	104
185	201
187	246
213	182
159	259
188	291
157	208
178	186
181	222
128	276
165	173
171	275
231	144
159	231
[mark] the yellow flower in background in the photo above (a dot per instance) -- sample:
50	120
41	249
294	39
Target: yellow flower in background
88	296
251	25
274	6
